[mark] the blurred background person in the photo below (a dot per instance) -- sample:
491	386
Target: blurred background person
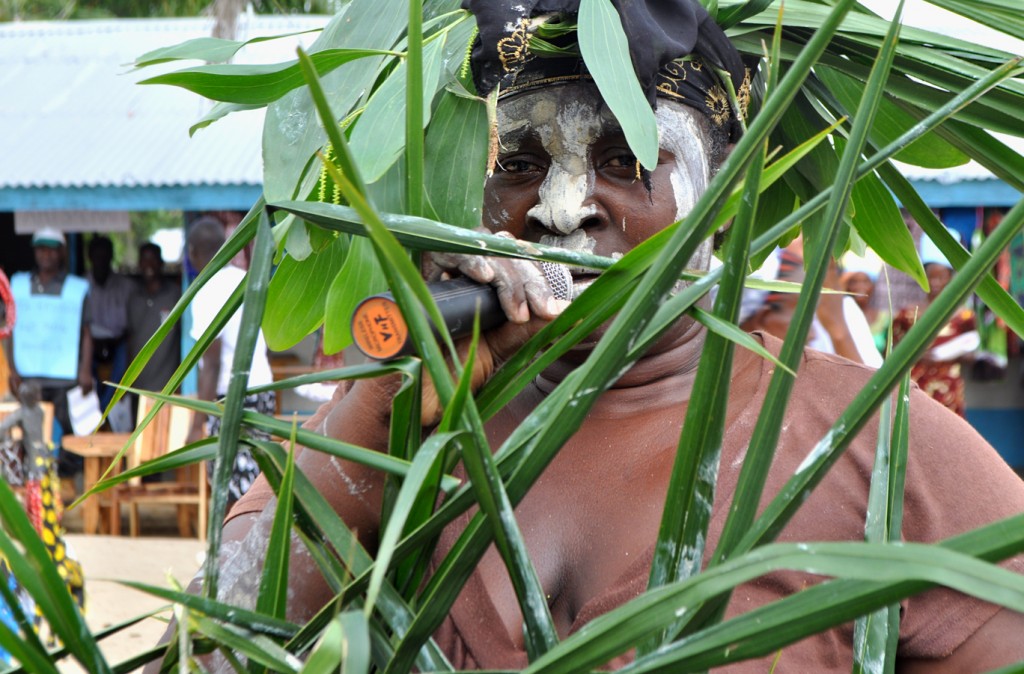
148	307
42	349
938	372
838	327
205	238
859	278
108	314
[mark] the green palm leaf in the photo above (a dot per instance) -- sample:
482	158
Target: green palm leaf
940	101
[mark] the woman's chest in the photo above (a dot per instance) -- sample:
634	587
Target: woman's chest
590	520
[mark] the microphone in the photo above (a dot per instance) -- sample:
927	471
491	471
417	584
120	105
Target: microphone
381	333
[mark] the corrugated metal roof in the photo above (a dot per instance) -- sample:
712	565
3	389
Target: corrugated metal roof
971	171
73	116
78	132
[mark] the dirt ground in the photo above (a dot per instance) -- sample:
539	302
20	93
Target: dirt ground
150	559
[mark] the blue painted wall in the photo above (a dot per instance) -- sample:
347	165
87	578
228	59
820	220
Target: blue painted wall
176	198
966	194
1004	430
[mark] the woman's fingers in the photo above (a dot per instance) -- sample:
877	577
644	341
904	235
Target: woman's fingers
523	290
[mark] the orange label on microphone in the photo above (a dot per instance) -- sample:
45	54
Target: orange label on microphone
378	328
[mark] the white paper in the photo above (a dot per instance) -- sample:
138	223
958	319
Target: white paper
84	410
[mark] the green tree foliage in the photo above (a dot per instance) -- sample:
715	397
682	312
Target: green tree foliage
46	10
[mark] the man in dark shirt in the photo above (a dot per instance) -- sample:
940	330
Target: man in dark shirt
148	308
108	301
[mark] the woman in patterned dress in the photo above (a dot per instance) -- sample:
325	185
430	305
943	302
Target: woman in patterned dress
939	372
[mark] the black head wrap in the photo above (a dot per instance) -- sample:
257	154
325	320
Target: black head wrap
675	47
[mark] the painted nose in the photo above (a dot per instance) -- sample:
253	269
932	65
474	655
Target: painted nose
565	203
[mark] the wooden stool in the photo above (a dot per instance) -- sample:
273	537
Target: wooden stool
97	450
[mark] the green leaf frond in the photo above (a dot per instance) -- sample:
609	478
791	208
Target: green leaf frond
375	153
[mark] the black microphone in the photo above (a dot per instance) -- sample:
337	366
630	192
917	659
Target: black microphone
380	331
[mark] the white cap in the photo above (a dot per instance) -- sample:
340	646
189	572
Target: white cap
48	236
869	263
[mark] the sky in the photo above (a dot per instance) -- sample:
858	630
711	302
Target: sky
921	14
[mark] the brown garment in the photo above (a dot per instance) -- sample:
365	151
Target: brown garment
955	482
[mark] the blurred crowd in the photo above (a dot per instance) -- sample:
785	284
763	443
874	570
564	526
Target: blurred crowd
72	332
79	333
881	304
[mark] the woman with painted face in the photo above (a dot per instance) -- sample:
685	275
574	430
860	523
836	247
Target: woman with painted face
566	176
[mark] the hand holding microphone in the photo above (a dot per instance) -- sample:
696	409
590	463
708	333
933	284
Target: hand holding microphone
381	333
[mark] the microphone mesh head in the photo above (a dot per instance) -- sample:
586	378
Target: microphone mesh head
559	279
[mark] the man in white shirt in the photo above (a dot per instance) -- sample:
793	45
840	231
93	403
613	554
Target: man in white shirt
205	237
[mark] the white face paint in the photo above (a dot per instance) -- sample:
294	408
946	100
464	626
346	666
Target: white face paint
568	120
567	127
682	132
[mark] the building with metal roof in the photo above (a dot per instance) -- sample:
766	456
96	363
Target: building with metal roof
967	186
83	143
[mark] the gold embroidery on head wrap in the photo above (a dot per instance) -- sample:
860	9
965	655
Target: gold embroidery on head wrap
743	95
513	50
717	103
